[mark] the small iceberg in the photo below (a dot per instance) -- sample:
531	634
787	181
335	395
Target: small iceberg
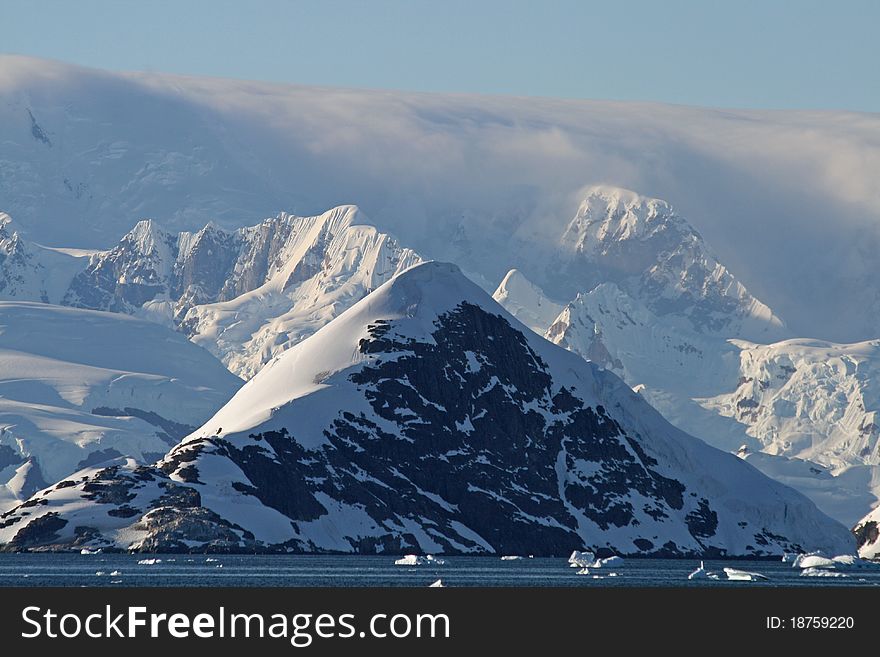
416	560
116	573
437	585
510	557
744	575
583	571
149	562
815	561
821	572
580	559
90	551
210	560
814	557
608	561
702	573
100	573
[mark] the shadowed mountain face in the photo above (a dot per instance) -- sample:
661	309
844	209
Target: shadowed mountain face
427	419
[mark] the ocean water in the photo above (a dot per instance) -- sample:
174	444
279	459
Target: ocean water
346	571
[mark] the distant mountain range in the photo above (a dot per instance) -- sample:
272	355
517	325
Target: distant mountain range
425	418
244	295
120	334
657	319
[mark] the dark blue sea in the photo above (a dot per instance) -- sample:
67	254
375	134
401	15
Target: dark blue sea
347	571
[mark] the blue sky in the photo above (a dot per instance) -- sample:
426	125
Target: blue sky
748	53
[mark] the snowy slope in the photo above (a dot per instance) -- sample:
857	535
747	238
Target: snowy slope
78	387
526	301
426	418
809	398
843	494
788	198
32	272
669	363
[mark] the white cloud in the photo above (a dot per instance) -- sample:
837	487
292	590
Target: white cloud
787	199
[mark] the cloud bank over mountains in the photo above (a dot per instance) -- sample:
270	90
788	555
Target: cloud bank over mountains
788	199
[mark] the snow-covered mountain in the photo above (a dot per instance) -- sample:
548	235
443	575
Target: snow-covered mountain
426	418
288	286
667	362
245	295
79	387
32	272
787	200
648	250
798	398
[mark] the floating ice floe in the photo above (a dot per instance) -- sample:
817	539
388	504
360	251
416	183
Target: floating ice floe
821	572
587	559
841	562
809	560
90	551
149	562
437	585
100	573
510	557
116	573
744	575
586	571
702	573
210	560
580	559
606	562
814	561
416	560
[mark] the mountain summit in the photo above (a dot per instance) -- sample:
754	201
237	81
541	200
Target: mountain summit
426	418
642	245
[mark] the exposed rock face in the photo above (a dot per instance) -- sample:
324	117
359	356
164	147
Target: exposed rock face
427	419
